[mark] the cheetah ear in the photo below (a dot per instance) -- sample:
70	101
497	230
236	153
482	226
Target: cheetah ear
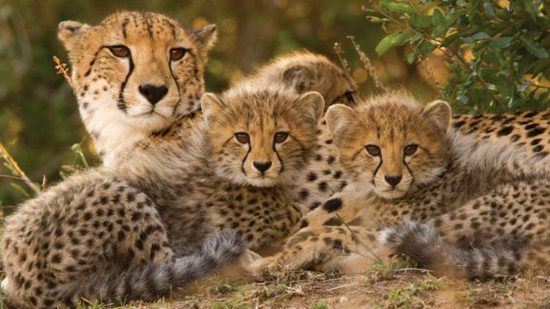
440	111
339	117
211	105
312	104
297	77
69	31
206	36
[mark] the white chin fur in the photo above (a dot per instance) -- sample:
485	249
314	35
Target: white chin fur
390	195
261	182
240	178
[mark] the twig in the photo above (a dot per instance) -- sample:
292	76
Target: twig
359	240
414	269
344	63
367	64
343	286
62	69
16	170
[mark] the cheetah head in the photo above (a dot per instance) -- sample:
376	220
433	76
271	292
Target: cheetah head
305	71
261	137
391	142
135	73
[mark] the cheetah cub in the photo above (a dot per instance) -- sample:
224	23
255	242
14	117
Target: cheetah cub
134	74
95	236
304	71
460	206
153	223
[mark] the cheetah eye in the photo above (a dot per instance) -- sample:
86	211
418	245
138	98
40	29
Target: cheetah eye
177	53
349	96
120	51
373	150
280	137
242	137
409	150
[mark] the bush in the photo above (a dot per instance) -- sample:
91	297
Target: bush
498	51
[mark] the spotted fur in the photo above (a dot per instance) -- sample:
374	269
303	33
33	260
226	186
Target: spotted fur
485	194
137	230
520	131
98	237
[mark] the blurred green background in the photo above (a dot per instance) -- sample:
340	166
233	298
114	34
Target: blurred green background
38	115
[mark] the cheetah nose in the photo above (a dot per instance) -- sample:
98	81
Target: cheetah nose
153	93
393	179
262	166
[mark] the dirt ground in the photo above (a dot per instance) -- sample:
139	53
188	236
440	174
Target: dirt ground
392	285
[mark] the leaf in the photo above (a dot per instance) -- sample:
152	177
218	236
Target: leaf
398	7
535	49
421	21
437	17
501	42
450	39
415	38
530	8
410	58
488	6
504	87
392	40
476	37
376	20
426	47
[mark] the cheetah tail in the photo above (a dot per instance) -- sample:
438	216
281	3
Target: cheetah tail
156	279
425	245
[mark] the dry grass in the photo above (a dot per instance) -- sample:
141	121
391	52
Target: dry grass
390	285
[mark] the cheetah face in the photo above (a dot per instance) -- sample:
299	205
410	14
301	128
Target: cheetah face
261	137
138	71
391	143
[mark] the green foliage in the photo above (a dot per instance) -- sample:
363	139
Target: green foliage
498	52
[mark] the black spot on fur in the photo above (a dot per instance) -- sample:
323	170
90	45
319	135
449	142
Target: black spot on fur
311	177
505	131
333	204
304	193
536	131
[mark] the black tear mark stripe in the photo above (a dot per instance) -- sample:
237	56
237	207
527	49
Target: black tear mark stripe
278	157
93	62
124	26
121	104
408	168
177	87
245	157
376	170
